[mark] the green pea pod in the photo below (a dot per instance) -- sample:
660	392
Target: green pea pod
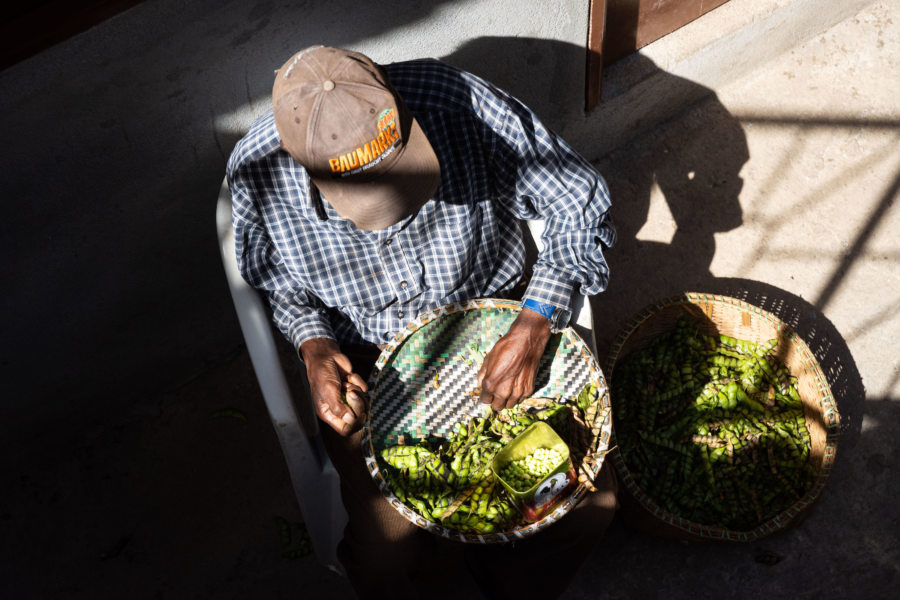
419	505
284	530
586	397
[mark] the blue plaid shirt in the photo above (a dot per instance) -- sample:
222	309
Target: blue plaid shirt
499	164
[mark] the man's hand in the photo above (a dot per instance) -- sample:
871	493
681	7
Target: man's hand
331	376
507	373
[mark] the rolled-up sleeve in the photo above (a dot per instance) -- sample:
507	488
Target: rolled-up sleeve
297	313
539	176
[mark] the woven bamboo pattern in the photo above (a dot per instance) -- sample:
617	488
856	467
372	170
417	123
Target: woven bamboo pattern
730	316
424	382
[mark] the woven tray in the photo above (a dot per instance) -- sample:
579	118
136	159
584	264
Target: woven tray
422	385
738	319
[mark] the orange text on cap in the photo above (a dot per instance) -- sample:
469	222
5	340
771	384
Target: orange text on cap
363	155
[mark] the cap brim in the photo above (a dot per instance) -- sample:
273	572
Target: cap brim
403	189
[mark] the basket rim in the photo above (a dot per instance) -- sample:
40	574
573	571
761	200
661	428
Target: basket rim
824	396
601	428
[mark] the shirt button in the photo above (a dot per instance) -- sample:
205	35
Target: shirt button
399	314
388	241
403	285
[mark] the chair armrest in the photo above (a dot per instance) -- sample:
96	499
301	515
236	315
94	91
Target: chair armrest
316	482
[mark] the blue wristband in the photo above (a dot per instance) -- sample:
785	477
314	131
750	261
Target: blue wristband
540	308
558	317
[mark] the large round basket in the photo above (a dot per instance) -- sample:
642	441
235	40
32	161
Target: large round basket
423	384
732	317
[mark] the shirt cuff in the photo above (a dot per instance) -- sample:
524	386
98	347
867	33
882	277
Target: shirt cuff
315	325
548	287
548	290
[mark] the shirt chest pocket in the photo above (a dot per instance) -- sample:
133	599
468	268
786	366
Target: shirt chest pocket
365	279
448	255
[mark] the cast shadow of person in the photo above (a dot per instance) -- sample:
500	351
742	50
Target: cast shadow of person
689	166
696	168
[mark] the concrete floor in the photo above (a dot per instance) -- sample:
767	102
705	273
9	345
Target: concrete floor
780	189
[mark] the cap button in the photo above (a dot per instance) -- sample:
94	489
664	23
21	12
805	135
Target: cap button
328	85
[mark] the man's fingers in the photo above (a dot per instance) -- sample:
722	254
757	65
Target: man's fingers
487	394
506	395
356	403
343	362
331	380
356	379
507	399
343	412
336	422
345	369
355	397
495	396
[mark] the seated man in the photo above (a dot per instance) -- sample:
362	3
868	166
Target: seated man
370	194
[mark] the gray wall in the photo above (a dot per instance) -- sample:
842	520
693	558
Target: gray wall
113	148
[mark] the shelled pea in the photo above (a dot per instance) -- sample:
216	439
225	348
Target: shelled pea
712	427
525	473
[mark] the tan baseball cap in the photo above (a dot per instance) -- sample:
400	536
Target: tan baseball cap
338	116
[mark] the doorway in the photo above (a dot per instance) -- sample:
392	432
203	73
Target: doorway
617	28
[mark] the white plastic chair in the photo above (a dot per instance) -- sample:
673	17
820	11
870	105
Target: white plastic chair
582	316
315	481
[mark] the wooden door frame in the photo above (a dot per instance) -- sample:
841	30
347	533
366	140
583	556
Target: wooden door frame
617	28
596	32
